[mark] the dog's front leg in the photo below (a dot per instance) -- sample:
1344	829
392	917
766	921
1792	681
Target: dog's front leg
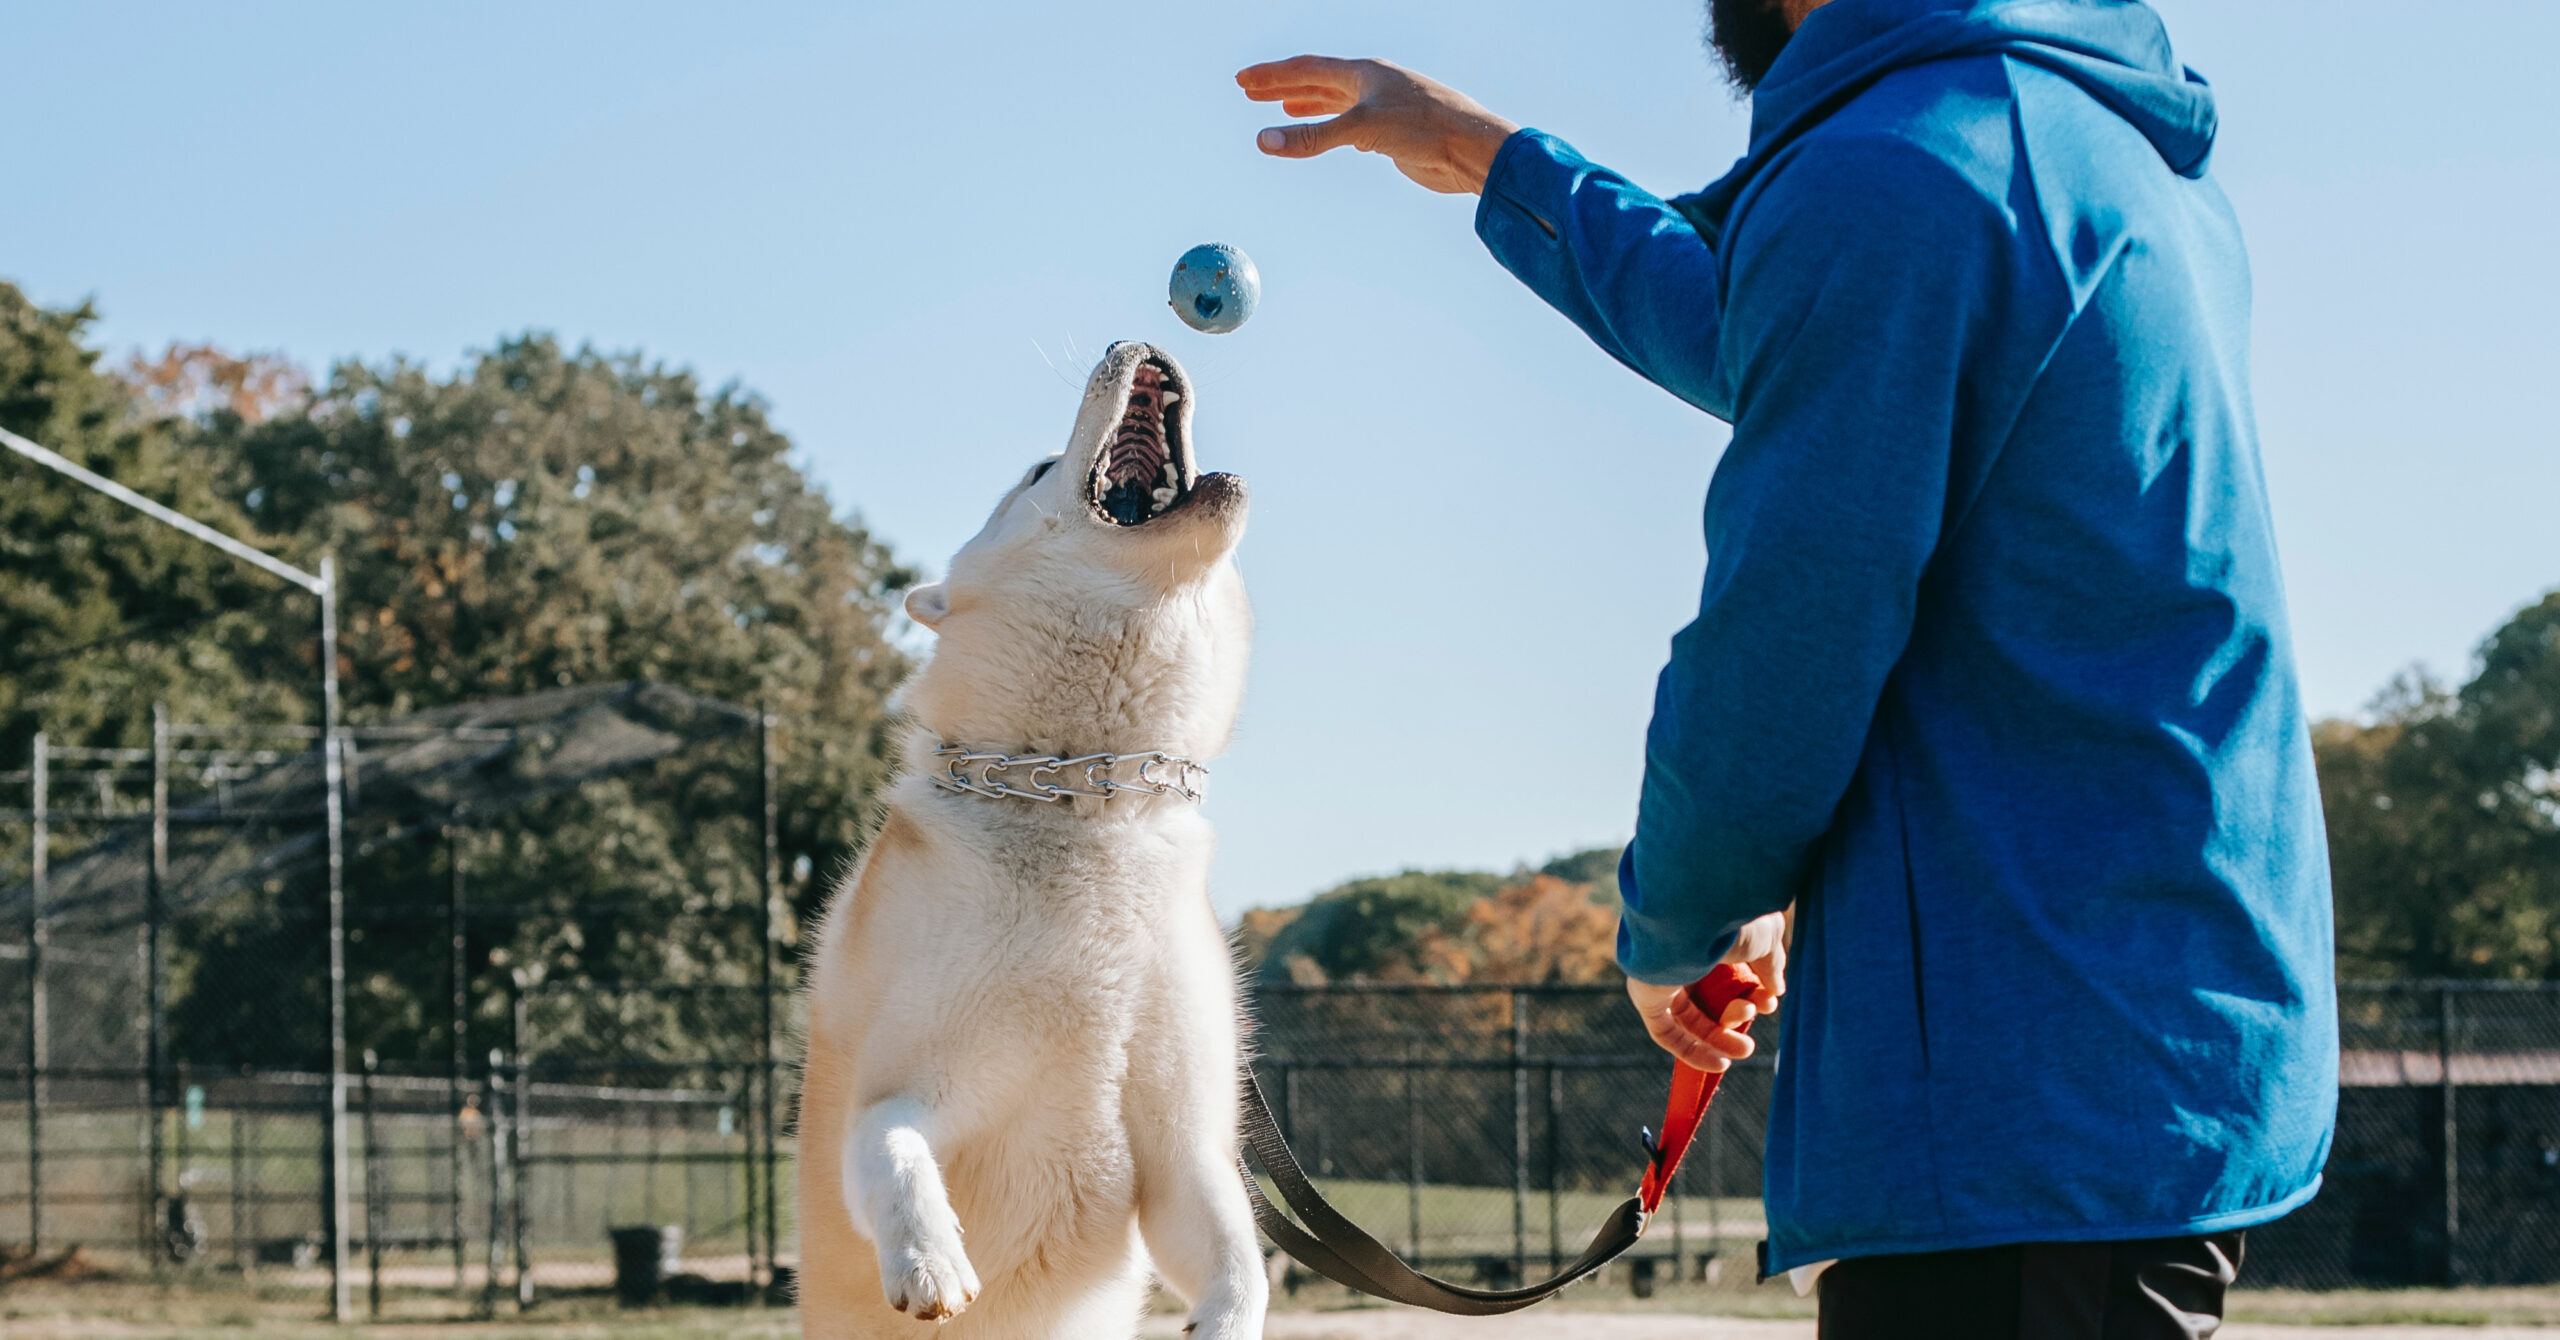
893	1189
1199	1229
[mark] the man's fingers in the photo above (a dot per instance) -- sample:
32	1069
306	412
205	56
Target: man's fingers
1324	96
1272	80
1309	138
1316	104
1699	1056
1697	1035
1690	1015
1685	1045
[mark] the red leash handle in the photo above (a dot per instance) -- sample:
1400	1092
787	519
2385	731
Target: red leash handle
1691	1088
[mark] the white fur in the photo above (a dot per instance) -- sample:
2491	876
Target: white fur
1021	1075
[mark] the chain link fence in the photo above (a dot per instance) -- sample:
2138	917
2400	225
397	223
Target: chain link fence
167	1096
575	1019
1487	1130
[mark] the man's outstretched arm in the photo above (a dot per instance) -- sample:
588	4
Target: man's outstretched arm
1866	283
1614	258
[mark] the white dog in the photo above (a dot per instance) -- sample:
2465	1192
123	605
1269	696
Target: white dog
1022	1016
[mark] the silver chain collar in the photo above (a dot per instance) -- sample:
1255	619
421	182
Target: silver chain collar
1047	778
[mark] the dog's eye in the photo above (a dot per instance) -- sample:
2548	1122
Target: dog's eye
1038	472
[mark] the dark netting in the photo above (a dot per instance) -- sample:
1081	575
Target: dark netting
256	808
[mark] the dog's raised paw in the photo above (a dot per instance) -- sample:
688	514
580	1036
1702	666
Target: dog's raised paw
928	1281
1225	1318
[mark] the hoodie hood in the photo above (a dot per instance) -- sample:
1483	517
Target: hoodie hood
2115	50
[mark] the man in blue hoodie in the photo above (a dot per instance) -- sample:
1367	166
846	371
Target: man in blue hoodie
1991	679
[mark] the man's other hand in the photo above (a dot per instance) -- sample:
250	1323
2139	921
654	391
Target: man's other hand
1681	1028
1436	135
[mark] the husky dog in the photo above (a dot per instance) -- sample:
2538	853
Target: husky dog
1020	1086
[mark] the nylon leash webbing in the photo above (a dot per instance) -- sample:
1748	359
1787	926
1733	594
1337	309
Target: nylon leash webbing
1340	1250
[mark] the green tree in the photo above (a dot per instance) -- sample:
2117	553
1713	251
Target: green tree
2444	817
540	517
1595	866
1554	922
104	611
545	517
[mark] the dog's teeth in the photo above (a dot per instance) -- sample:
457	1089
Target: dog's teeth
1165	497
1172	396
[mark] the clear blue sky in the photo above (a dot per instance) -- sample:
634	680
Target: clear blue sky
1473	534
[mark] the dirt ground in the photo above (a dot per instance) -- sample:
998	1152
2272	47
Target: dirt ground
1540	1325
136	1310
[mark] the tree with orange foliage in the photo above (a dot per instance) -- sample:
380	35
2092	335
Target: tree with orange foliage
1544	929
197	381
1448	927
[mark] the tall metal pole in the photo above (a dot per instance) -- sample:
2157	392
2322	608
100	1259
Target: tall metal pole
325	586
770	883
154	1002
341	1276
39	1024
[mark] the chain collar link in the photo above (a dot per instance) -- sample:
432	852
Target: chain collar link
1048	778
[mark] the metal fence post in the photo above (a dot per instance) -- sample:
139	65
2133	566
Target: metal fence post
1715	1119
2452	1137
39	1025
521	1147
240	1253
1555	1169
1412	1161
249	1173
1680	1230
769	881
373	1201
1519	1135
745	1174
459	967
499	1143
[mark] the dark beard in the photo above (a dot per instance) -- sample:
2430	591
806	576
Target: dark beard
1747	36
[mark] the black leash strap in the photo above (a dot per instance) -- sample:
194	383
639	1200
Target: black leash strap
1336	1248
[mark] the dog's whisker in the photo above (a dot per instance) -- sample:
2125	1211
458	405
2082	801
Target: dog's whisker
1054	369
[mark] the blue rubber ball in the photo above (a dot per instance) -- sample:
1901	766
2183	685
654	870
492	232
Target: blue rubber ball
1215	288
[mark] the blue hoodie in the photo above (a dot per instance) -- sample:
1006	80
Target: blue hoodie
1991	676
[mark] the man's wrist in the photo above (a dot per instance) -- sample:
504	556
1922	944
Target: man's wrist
1473	150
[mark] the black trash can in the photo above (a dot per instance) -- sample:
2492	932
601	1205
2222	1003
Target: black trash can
644	1258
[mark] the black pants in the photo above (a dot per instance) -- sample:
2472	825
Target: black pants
2150	1289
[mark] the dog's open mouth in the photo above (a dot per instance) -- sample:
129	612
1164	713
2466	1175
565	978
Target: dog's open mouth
1144	468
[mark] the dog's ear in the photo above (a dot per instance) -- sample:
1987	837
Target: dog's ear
927	604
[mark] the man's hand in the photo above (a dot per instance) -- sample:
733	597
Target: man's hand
1681	1028
1435	134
